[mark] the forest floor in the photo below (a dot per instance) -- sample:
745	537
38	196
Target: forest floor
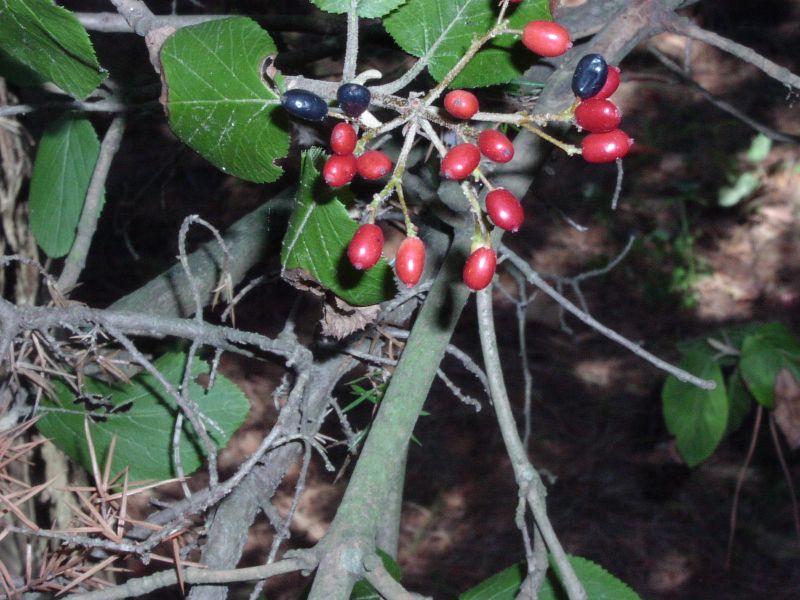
618	492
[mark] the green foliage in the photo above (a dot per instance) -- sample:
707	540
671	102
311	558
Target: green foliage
697	418
764	353
744	183
217	101
363	590
599	583
50	41
753	354
317	239
441	32
367	9
64	164
142	417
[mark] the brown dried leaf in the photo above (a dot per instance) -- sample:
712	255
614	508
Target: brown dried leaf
339	319
787	407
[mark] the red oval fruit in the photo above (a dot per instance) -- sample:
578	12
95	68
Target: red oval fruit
606	147
504	209
546	38
366	246
461	104
461	161
479	268
597	115
495	146
410	261
374	164
343	139
339	170
611	84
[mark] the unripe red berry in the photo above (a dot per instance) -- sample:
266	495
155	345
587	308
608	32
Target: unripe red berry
479	268
461	161
611	84
374	164
366	246
410	261
343	139
597	115
461	104
495	146
606	147
504	209
546	38
339	170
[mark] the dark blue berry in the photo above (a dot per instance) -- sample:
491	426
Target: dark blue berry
304	104
590	75
353	98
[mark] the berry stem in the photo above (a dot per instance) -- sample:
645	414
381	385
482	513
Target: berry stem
395	182
434	138
485	180
477	43
475	207
568	148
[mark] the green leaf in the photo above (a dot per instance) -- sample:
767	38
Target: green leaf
17	73
63	168
697	418
143	419
745	185
49	40
441	33
500	586
218	103
367	9
759	148
317	239
740	401
599	583
771	348
363	590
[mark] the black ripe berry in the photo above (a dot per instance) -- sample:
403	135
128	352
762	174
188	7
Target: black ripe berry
590	76
353	98
304	104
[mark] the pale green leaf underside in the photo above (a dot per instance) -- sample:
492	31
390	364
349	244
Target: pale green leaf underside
144	431
441	32
367	9
63	168
216	99
49	40
317	239
697	418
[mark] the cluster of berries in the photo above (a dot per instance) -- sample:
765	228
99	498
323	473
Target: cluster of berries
593	82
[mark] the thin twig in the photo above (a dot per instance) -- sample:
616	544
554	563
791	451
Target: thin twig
534	278
786	473
351	49
740	482
73	266
528	480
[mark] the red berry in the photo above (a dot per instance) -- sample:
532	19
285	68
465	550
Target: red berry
606	147
495	146
546	38
461	104
479	268
597	116
374	164
366	246
504	209
339	170
611	84
461	161
343	139
410	261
